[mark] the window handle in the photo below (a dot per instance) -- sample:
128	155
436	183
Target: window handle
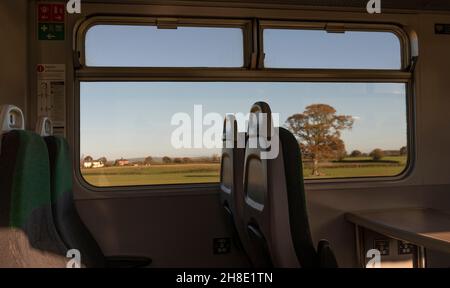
335	28
412	66
167	23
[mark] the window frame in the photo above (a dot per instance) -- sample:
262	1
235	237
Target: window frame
336	27
253	71
161	23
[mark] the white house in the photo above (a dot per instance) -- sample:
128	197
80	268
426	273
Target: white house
93	164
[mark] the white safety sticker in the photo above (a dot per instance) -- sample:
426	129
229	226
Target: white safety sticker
51	87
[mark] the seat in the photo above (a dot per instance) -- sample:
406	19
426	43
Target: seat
275	206
231	170
69	225
231	183
28	238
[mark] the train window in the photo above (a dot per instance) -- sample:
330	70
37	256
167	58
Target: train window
319	49
348	125
149	46
127	141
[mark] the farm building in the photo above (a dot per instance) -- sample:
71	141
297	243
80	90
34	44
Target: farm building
121	162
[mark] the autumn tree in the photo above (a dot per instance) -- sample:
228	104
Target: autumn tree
377	154
356	153
215	158
340	154
148	160
88	159
187	160
403	151
318	131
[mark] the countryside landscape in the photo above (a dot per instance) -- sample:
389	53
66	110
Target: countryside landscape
176	173
318	131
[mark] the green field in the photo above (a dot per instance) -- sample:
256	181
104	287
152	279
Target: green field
152	175
209	172
359	167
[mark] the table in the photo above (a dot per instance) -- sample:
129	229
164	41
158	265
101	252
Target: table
424	227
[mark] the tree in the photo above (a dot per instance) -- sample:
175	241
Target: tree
148	160
177	160
403	151
166	160
356	153
88	159
215	158
318	130
187	160
341	154
103	160
377	154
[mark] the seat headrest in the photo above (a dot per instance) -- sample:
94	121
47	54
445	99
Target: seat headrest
11	118
232	138
260	121
44	127
229	129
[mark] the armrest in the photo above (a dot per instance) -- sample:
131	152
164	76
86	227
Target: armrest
326	255
127	261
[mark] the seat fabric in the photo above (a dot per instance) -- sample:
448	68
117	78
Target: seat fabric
28	238
68	223
275	210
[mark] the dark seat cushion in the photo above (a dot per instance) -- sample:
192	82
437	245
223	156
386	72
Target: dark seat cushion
298	216
28	237
67	220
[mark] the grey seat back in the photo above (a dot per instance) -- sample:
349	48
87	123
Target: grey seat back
275	212
256	187
231	181
231	172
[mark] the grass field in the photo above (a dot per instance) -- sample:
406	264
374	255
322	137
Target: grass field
153	175
209	172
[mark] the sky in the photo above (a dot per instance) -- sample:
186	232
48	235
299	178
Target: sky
133	119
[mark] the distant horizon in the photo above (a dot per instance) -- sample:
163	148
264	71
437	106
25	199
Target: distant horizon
111	159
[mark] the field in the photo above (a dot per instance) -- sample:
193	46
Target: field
153	175
209	172
359	167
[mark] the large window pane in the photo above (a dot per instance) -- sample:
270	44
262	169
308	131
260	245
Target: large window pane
148	46
295	48
126	128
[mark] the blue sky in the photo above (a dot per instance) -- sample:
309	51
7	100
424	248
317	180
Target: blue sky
133	119
147	46
353	49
